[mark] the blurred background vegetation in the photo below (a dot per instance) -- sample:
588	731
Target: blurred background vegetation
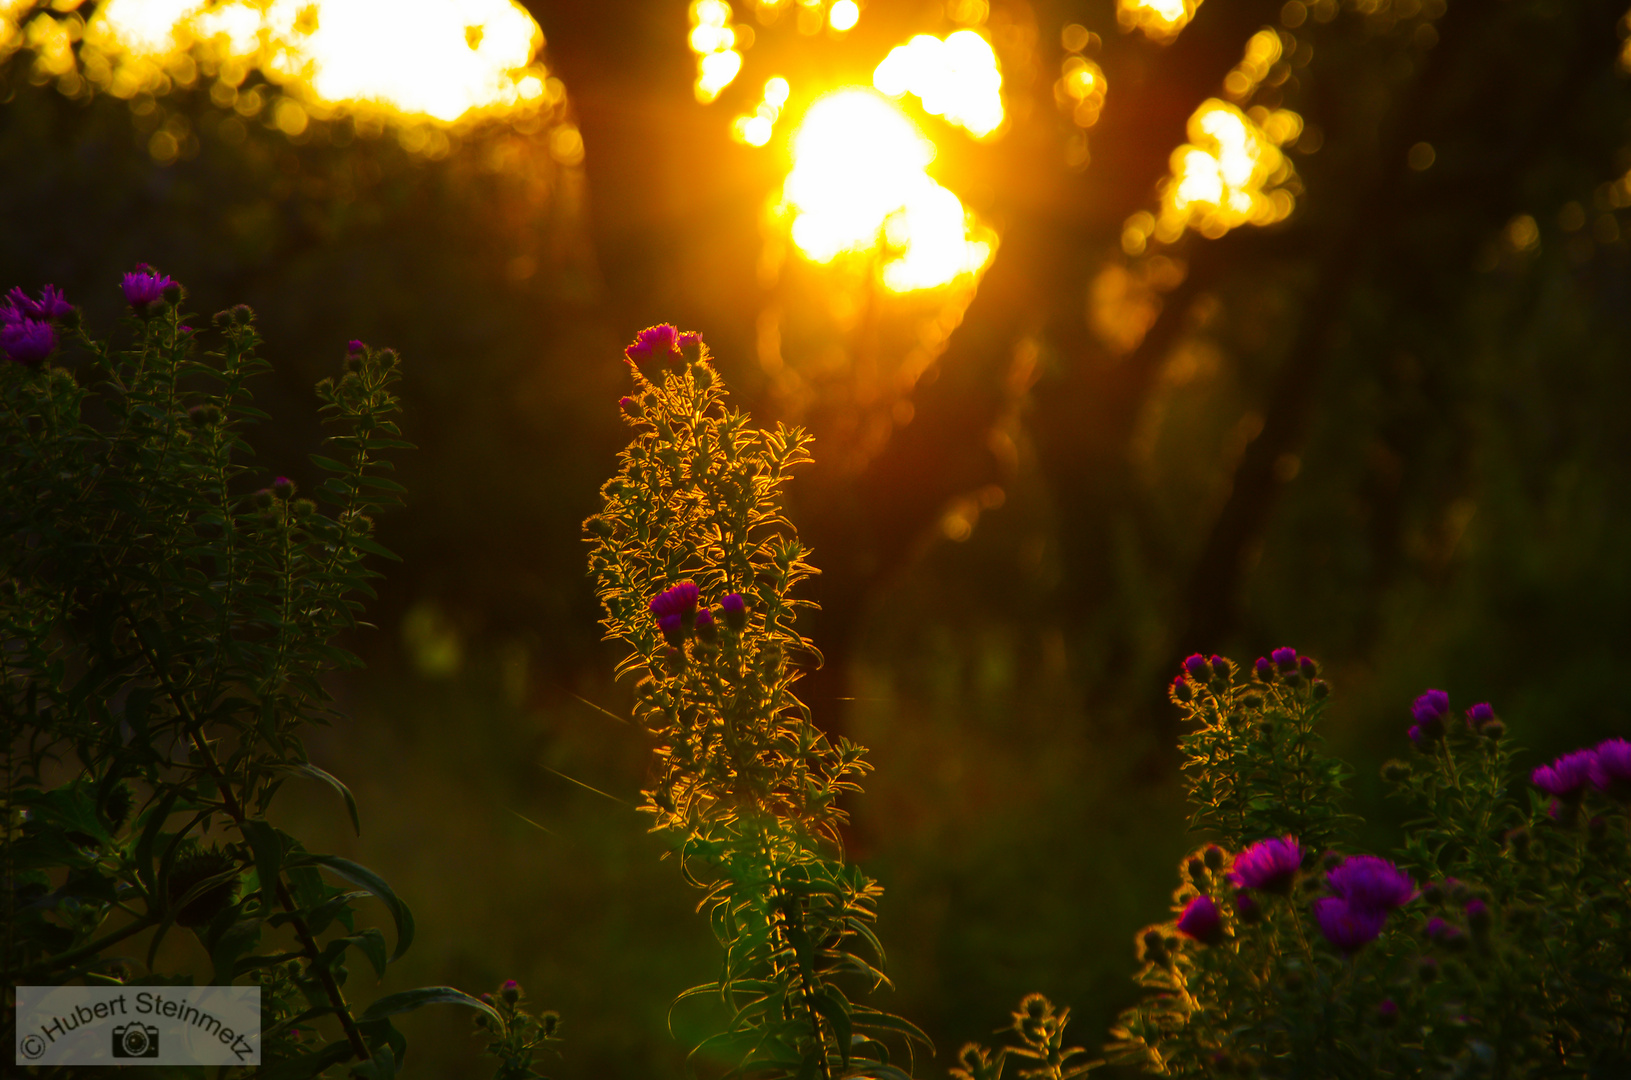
1380	416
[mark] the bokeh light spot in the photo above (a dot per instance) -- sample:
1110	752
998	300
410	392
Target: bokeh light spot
1230	173
957	78
1160	20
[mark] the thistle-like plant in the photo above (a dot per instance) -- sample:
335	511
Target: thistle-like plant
696	565
1496	942
165	623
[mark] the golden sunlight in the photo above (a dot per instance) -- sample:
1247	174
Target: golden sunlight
1159	19
957	78
431	59
1230	173
858	185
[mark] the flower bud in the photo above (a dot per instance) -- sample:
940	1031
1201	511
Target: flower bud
1197	667
172	293
263	498
1265	670
1307	666
1213	857
283	487
631	408
511	991
1321	689
734	610
1396	771
1181	691
1387	1013
1493	729
550	1022
1252	701
1197	872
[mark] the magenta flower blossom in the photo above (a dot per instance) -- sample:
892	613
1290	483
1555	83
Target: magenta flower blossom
675	609
145	287
1181	690
1567	777
50	307
1611	767
354	346
1370	883
1265	669
1201	920
1197	667
659	343
27	341
1285	658
1479	715
1269	865
1346	926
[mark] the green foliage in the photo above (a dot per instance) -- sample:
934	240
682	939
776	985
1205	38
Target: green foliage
1041	1031
1509	960
744	783
166	632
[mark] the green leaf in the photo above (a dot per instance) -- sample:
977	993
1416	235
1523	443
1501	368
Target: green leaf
364	878
315	773
409	1000
373	547
267	845
329	463
836	1011
371	943
230	947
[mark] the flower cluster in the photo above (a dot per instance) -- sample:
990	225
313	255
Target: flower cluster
28	326
1510	960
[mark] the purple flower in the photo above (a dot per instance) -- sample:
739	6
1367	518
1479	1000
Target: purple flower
1220	666
1566	778
1265	669
27	341
1429	712
145	287
1479	715
1346	926
1285	658
1198	668
1181	690
705	624
1268	865
674	609
1201	921
658	343
354	346
1370	883
1387	1012
629	406
1611	767
1307	667
735	610
51	306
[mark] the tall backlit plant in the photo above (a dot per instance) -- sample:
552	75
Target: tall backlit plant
164	627
696	565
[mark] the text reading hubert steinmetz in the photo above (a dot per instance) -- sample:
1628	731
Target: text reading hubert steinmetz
179	1025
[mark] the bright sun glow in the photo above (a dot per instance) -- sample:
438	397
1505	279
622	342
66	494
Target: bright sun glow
440	59
957	78
858	184
1230	173
844	15
1159	19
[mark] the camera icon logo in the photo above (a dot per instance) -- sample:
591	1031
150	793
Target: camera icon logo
136	1040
